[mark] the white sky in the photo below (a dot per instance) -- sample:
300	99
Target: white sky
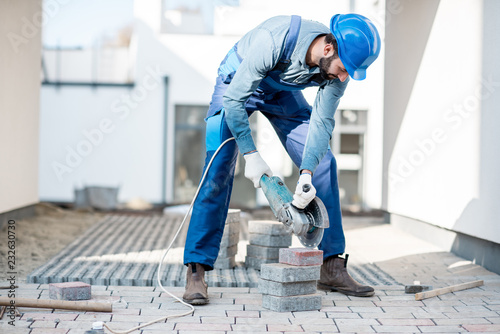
81	22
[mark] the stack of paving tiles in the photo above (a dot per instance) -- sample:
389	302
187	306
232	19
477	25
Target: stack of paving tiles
229	242
290	285
265	237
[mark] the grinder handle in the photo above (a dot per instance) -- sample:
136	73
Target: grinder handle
306	188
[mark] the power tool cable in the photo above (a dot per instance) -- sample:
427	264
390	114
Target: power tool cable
158	277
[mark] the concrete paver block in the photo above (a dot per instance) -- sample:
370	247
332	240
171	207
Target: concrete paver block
285	273
256	262
70	291
228	251
233	215
292	303
229	240
225	263
301	256
232	228
268	227
287	289
270	240
263	252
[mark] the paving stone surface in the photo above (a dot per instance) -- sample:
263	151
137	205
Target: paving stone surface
239	309
126	249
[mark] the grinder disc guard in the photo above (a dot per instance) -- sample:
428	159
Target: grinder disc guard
307	224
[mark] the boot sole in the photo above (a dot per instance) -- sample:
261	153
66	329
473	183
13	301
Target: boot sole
346	292
200	301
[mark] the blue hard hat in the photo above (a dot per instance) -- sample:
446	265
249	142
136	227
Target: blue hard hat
358	42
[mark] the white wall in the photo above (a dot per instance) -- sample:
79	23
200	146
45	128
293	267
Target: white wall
106	136
98	64
441	102
485	207
20	49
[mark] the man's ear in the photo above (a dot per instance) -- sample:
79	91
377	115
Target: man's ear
328	50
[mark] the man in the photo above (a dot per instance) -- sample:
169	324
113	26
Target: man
266	71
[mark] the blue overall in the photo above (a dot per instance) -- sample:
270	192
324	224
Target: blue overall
287	110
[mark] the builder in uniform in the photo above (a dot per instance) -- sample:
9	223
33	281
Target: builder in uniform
266	71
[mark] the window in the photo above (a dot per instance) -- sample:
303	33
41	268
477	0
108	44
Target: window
348	147
189	150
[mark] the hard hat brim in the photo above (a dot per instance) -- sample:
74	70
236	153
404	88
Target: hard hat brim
359	74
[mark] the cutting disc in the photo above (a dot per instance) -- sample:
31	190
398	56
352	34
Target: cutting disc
315	219
312	238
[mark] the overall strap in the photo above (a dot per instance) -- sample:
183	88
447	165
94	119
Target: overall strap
290	42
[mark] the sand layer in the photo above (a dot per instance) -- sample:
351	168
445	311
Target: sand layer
39	238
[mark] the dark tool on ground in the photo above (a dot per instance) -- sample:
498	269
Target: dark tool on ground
307	224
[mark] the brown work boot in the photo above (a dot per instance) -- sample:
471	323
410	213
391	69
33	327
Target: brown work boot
196	288
334	277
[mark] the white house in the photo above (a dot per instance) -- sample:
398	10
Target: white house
153	93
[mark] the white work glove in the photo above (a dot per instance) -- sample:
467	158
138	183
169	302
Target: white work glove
302	198
255	167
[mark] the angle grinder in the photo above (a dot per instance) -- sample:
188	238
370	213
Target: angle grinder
307	224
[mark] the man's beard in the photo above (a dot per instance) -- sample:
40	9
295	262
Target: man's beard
324	66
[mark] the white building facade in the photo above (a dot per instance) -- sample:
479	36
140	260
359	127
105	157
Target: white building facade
132	117
441	117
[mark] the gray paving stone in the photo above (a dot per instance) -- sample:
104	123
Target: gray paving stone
225	262
399	329
248	328
286	273
231	229
435	329
461	321
367	309
287	289
263	252
228	251
356	325
229	240
350	303
270	240
233	216
267	227
70	291
256	262
344	315
292	303
484	314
